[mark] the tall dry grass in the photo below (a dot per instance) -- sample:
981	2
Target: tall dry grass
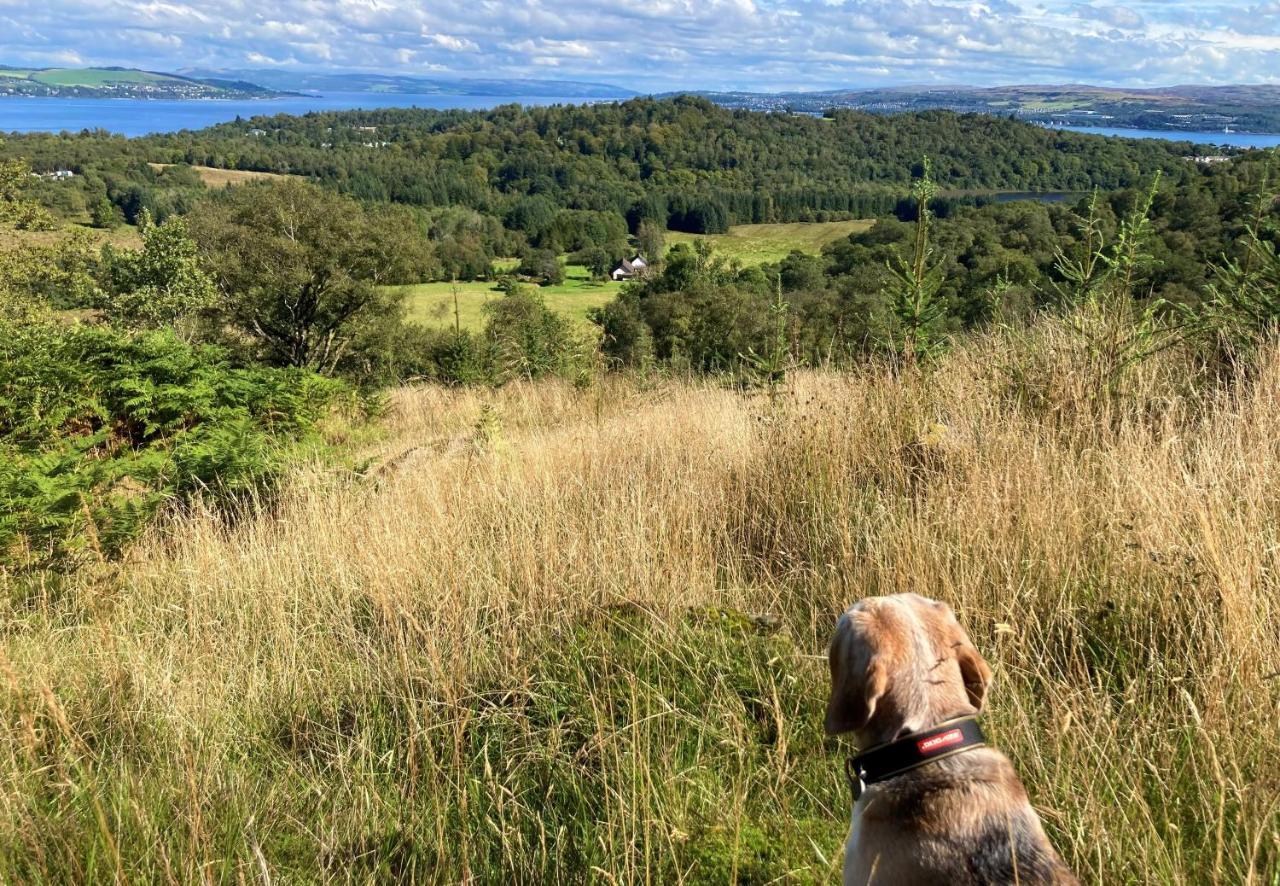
547	634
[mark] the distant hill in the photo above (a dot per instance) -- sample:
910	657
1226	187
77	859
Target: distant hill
398	83
1176	108
122	83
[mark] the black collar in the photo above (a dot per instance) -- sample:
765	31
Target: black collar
886	761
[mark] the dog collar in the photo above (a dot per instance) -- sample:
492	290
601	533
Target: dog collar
887	761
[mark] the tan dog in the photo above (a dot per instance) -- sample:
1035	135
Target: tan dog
938	807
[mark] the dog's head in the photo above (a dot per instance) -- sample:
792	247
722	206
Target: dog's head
900	664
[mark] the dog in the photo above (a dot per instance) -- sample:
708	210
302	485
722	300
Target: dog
933	804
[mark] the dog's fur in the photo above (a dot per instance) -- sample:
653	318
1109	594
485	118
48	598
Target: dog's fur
903	664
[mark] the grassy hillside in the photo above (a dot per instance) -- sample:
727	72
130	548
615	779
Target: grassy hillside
220	178
761	244
559	634
96	76
117	82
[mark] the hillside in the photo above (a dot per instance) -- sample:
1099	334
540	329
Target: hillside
312	571
1186	108
550	634
352	81
685	162
121	83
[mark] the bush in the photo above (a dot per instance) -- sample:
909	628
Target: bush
542	266
99	430
526	339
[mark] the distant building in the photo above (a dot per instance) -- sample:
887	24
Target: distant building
629	270
56	174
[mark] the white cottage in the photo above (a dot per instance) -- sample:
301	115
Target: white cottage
630	269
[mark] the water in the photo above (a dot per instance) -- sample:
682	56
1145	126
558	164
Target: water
131	116
1037	196
1234	139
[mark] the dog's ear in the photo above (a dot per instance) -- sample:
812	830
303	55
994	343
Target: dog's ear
975	673
858	680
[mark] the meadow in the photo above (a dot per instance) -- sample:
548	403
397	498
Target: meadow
763	244
221	178
432	304
559	633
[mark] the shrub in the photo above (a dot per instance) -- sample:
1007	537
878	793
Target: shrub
98	430
527	339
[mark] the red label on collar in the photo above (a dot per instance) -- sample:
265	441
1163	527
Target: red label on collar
935	743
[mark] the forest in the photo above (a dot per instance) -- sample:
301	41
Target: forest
683	163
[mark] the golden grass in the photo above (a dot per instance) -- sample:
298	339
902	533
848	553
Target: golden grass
221	178
508	647
762	244
121	236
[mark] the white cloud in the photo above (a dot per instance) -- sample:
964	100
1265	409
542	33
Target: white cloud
668	44
451	43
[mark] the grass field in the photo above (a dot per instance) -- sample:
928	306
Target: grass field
432	303
761	244
120	235
550	634
220	178
94	77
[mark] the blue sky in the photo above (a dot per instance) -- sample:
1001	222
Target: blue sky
662	44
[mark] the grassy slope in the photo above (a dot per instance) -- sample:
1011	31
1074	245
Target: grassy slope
220	178
120	235
515	649
760	244
432	303
94	77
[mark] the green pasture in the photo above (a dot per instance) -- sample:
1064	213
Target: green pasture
93	77
432	304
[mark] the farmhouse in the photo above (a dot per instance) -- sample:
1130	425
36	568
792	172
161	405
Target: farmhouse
629	270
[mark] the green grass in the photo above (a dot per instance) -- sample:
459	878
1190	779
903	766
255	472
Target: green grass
431	304
93	77
762	244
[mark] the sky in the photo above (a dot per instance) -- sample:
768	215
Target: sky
652	45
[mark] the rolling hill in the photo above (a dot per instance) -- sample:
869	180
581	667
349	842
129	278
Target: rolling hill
1178	108
121	83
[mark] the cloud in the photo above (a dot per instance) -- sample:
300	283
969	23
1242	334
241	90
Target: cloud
451	43
673	44
1121	17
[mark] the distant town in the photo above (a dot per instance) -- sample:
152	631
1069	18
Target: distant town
121	83
1228	109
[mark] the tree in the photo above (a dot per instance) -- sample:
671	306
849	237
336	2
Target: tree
652	239
543	266
103	213
598	262
916	310
300	270
526	338
16	208
158	286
